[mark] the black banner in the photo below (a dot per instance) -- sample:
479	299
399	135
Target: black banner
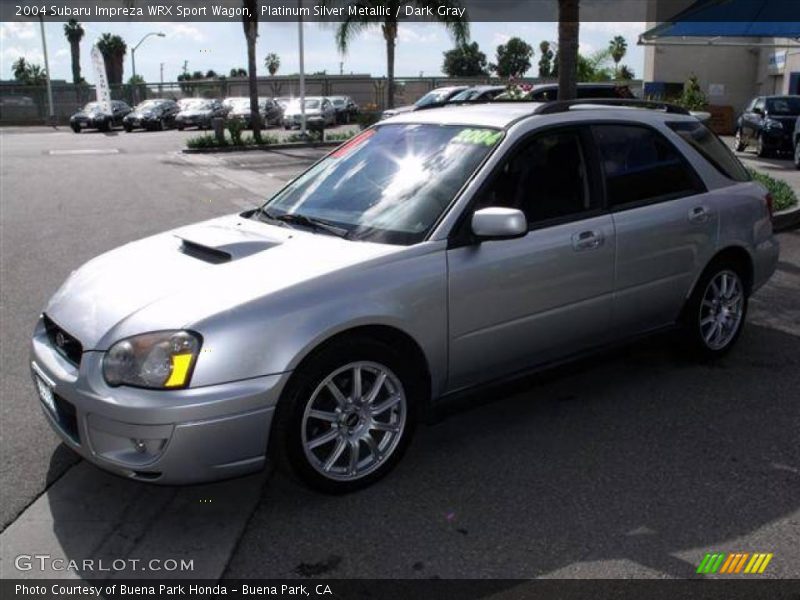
340	10
404	589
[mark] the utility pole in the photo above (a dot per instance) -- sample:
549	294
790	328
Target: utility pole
161	80
302	75
50	109
341	68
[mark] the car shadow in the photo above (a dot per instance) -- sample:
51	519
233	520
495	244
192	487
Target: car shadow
637	459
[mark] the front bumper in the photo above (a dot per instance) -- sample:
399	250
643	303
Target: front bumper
89	123
168	437
778	139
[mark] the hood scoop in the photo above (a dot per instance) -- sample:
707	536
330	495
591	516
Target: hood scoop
216	245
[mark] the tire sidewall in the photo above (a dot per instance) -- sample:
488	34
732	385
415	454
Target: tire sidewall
286	446
691	316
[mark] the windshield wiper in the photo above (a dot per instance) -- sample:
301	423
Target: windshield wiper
297	219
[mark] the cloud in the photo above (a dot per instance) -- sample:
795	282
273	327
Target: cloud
19	31
12	53
183	31
628	29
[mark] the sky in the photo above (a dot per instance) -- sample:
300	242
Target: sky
221	46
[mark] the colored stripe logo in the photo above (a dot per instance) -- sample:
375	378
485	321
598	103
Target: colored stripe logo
734	563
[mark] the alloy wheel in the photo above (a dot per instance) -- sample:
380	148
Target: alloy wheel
354	420
721	309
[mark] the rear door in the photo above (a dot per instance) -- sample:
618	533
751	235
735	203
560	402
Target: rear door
519	302
664	221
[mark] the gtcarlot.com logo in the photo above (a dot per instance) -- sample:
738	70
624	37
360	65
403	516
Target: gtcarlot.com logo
734	563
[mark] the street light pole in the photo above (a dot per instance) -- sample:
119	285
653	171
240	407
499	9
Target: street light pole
133	58
302	75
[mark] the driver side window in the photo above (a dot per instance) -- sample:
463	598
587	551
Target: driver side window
545	178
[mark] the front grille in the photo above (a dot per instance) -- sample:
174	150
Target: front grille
67	418
65	344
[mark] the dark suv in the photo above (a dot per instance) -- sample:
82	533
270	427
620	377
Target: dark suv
768	122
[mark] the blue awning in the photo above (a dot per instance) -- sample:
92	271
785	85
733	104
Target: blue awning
731	18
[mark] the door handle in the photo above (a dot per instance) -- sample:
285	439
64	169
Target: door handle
587	240
699	214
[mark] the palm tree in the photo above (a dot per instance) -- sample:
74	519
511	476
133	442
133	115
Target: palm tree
21	70
618	47
273	62
74	34
113	48
568	32
250	25
355	24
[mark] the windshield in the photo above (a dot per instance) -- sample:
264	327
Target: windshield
389	184
240	104
294	105
434	97
196	104
465	96
92	107
788	106
148	105
338	102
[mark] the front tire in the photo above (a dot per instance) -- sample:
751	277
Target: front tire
797	154
76	128
347	415
715	314
738	143
762	151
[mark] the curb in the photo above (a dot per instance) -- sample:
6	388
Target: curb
787	219
263	148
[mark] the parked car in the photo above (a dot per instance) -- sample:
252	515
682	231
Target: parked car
548	92
154	114
796	138
271	112
283	101
198	112
434	252
478	93
432	99
94	116
768	122
346	108
319	113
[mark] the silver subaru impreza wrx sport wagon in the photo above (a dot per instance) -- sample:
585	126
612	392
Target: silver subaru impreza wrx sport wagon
433	252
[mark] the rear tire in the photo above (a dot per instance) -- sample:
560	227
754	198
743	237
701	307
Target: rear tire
337	435
715	314
127	128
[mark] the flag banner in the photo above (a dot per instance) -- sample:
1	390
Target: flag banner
101	80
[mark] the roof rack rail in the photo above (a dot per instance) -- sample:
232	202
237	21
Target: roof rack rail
559	106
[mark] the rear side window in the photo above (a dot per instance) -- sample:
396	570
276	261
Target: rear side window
641	166
699	137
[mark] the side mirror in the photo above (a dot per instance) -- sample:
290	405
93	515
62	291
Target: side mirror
496	223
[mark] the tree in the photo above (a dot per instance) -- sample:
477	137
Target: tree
250	26
211	74
354	24
28	73
238	72
465	60
74	34
618	47
272	62
625	73
546	60
513	58
693	97
568	33
113	48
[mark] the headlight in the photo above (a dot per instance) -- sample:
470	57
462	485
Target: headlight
773	124
161	360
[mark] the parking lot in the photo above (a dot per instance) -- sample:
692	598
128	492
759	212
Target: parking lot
631	464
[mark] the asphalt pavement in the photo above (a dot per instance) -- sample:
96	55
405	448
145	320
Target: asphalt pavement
634	463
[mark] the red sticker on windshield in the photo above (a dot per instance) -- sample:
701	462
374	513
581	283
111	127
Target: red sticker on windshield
350	145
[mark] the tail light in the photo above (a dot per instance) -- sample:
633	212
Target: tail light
768	201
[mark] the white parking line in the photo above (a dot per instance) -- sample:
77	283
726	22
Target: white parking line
84	151
92	515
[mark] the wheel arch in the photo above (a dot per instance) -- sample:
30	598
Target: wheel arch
392	336
736	254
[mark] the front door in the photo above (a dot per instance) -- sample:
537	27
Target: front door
520	302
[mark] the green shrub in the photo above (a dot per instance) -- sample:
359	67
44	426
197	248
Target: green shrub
783	195
367	119
235	128
207	140
339	136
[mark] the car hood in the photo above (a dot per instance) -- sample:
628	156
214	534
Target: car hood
174	279
139	114
194	113
89	115
296	113
390	112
